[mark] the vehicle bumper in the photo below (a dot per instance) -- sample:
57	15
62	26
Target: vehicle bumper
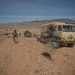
66	42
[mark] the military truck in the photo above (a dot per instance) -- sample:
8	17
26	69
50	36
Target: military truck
59	32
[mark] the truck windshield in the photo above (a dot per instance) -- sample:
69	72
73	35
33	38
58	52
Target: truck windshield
68	28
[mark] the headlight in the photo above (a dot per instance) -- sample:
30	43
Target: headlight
63	39
70	39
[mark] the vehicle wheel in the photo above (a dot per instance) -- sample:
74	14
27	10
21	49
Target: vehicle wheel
60	45
54	42
70	45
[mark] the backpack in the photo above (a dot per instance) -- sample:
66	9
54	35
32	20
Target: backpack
15	34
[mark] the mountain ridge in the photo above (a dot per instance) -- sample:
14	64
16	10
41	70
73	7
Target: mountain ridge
36	23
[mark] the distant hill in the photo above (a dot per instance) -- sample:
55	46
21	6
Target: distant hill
64	20
36	23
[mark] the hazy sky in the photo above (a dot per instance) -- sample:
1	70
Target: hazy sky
28	10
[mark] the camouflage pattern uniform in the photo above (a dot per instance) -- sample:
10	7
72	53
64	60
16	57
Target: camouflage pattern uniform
15	35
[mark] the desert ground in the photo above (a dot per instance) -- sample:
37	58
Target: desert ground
30	57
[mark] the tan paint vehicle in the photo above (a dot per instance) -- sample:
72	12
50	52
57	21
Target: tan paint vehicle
64	33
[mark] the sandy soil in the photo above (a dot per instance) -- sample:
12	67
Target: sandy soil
29	57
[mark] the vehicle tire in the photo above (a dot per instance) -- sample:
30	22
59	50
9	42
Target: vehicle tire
70	44
54	43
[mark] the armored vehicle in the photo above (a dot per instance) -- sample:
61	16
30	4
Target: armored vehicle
62	33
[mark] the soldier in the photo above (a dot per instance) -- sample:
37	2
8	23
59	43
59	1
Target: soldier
15	35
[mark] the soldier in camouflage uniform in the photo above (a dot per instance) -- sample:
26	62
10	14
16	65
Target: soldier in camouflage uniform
15	36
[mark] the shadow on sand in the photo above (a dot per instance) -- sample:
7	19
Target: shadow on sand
16	42
47	55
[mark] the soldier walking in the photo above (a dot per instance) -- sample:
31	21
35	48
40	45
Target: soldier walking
15	36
